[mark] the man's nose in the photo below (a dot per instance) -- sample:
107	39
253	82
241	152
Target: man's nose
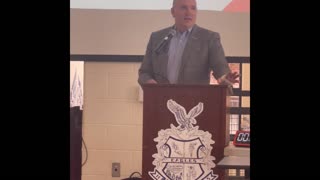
190	11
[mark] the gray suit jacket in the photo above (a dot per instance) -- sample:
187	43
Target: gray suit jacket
202	53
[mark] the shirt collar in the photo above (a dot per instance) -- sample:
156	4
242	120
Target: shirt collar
189	29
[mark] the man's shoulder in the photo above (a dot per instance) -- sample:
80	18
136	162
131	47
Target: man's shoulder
160	34
205	31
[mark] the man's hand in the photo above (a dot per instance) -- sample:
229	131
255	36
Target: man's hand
232	77
229	78
151	81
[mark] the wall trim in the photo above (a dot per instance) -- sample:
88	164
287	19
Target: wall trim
137	58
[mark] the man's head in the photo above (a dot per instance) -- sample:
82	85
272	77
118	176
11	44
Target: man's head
184	13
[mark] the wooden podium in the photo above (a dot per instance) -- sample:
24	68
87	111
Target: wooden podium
75	142
157	116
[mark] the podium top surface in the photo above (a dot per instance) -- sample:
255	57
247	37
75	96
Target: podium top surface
185	85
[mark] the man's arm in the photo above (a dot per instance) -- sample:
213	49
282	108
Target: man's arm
146	68
217	59
219	64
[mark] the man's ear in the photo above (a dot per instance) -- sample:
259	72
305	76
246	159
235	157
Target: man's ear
172	12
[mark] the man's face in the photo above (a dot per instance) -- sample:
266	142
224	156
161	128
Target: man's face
184	13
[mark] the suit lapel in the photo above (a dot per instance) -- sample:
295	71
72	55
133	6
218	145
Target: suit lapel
193	38
163	56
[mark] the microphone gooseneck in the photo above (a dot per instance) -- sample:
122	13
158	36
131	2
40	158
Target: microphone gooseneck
165	40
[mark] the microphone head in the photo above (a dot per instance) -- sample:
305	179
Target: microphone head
172	32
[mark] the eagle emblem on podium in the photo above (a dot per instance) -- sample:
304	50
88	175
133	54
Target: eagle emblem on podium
183	151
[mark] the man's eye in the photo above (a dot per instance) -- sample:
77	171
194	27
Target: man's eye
183	7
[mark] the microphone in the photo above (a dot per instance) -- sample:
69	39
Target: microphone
165	40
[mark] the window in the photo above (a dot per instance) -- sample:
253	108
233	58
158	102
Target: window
239	102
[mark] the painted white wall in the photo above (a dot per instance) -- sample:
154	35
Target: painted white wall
216	5
126	32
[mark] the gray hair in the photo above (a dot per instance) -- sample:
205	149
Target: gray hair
174	2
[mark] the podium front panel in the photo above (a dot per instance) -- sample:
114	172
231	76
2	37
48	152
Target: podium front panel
158	117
